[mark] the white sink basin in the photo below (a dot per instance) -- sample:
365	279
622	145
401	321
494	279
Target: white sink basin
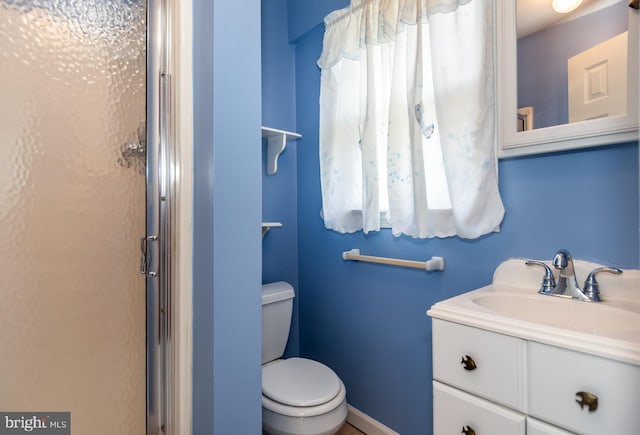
585	317
511	305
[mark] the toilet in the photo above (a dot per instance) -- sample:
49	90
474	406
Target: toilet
299	396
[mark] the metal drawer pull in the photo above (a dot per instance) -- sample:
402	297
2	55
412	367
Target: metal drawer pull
468	430
469	363
587	399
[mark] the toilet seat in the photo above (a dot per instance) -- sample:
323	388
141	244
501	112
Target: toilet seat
300	387
299	382
305	411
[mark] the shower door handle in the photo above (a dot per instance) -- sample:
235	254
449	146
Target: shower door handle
145	255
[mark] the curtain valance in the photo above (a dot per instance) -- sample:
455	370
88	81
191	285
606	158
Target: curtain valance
374	22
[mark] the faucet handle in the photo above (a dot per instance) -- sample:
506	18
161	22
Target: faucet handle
591	287
548	280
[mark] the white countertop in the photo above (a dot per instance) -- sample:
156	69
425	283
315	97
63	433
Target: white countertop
609	329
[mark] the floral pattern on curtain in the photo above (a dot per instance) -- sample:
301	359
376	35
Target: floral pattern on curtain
407	118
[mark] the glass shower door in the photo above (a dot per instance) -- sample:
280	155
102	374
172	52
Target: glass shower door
72	208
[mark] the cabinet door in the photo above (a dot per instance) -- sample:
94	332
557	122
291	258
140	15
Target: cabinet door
559	377
455	411
537	427
498	371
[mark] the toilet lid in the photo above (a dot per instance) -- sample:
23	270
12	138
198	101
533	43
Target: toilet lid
299	382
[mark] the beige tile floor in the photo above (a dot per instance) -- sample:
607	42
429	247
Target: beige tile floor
347	429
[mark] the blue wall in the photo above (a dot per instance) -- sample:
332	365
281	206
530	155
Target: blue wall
227	195
542	61
368	321
279	191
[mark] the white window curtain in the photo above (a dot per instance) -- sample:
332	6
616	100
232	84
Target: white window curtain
407	118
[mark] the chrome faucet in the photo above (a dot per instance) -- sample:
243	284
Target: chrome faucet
566	284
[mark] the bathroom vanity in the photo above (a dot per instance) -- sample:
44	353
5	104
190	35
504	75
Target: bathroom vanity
507	360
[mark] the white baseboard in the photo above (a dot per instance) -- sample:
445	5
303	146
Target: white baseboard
366	424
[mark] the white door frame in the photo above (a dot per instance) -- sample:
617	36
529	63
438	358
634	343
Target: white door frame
181	66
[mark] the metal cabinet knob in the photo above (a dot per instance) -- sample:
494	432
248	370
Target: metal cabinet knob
587	399
468	363
468	430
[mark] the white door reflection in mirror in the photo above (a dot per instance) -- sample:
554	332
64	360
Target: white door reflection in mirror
598	81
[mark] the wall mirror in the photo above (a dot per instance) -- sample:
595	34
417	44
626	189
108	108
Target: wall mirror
566	80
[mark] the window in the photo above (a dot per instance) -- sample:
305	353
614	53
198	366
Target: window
407	119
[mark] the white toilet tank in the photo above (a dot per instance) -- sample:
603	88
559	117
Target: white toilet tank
277	306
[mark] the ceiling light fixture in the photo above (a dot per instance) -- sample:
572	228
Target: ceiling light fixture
564	6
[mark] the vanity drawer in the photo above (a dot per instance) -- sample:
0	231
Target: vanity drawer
537	427
454	411
555	377
499	373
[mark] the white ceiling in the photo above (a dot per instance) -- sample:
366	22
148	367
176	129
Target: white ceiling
535	15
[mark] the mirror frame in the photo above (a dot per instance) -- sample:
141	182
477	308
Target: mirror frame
583	134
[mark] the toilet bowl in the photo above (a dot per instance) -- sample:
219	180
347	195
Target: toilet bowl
302	397
299	396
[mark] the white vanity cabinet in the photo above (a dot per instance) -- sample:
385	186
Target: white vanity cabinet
455	411
498	362
519	386
508	360
537	427
558	378
479	379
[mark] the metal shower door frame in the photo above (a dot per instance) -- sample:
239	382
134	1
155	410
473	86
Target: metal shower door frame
158	240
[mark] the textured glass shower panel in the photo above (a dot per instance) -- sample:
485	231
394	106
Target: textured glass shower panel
72	303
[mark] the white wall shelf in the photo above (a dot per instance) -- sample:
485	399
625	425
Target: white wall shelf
276	143
266	226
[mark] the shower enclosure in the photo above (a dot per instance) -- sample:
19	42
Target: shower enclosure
84	209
